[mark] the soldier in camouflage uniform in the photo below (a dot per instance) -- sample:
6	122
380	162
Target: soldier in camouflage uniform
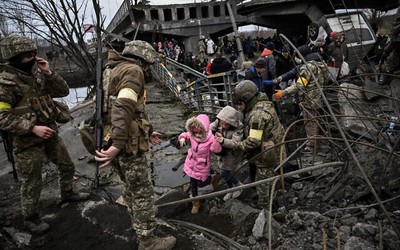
28	113
310	96
129	138
392	51
263	131
202	48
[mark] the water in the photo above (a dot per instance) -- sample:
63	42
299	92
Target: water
76	96
165	158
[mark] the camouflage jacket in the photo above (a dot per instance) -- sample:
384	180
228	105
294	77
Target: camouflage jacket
126	86
310	96
261	125
202	46
14	85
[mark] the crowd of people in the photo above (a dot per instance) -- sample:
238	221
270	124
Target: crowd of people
278	57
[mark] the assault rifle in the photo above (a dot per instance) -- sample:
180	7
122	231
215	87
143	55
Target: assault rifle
99	91
10	156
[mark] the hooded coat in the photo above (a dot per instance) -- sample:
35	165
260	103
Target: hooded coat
198	160
232	158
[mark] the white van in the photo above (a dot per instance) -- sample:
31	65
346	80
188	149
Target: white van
360	37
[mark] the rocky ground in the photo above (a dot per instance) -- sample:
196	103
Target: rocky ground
320	209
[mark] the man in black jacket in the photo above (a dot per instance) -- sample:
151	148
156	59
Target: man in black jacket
220	65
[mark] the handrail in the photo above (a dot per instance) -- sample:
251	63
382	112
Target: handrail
197	91
185	68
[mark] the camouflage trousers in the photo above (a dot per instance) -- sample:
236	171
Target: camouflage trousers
264	190
139	193
311	127
29	164
265	166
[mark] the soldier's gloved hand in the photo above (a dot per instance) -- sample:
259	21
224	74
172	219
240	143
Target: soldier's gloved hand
43	132
106	156
278	94
182	142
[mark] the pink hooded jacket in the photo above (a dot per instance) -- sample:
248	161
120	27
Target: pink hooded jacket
198	161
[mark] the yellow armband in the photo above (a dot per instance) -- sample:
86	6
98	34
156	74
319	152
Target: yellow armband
4	105
256	134
302	81
128	93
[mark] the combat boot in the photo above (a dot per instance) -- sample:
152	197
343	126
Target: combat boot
71	196
35	225
156	243
196	207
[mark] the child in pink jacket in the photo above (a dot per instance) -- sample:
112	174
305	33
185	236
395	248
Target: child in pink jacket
198	160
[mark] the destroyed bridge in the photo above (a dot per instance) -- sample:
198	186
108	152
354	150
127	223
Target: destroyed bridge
189	22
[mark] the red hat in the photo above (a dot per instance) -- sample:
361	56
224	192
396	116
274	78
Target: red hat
333	35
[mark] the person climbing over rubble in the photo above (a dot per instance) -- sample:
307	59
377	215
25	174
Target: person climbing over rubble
28	113
198	160
310	96
228	131
129	138
263	131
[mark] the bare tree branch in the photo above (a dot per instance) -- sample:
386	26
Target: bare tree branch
56	22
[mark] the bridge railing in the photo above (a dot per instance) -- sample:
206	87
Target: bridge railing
198	92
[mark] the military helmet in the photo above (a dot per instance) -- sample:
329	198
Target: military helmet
245	90
14	45
140	49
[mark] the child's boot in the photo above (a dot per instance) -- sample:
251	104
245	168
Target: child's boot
196	206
